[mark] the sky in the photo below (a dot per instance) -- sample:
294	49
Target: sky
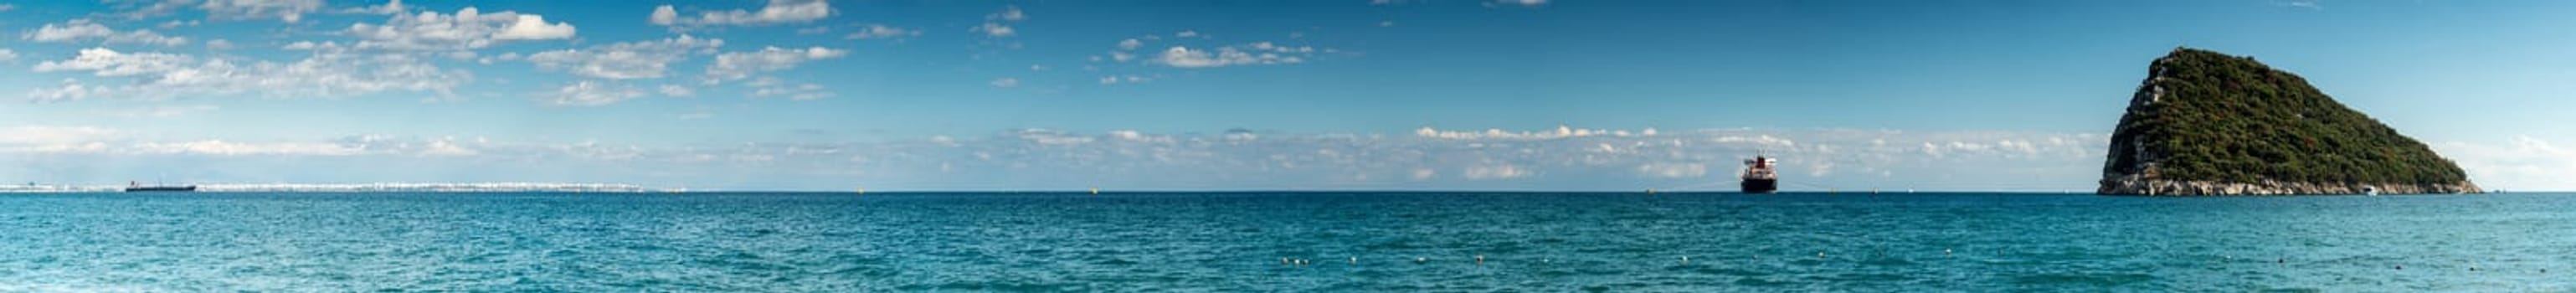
1227	95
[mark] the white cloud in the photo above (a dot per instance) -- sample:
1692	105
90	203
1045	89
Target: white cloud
390	7
998	24
164	111
106	62
1561	132
1496	171
1186	34
6	7
1118	79
677	91
589	93
776	12
1005	82
630	60
740	65
55	134
995	30
1259	53
772	87
329	74
1523	3
879	31
224	148
1673	170
6	55
83	30
283	10
2301	4
2524	163
1130	44
467	29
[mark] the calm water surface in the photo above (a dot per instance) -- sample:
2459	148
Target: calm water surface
1531	242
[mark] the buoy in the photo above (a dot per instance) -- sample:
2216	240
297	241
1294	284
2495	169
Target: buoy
1095	191
1945	251
1820	254
2401	267
1421	259
1355	260
1480	259
1685	259
1285	261
863	190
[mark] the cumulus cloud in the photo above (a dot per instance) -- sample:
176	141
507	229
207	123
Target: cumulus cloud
390	7
740	65
2523	162
1005	82
466	29
1500	171
283	10
589	93
776	12
998	24
6	55
225	148
879	31
772	87
1259	53
163	111
1130	78
677	90
330	74
1560	132
629	60
41	134
78	30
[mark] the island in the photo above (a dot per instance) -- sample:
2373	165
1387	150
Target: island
2206	123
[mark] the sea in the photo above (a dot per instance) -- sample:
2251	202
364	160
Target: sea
1282	242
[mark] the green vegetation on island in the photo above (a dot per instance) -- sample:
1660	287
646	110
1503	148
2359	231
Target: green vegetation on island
2208	117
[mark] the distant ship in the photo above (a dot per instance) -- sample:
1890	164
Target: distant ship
138	187
1758	177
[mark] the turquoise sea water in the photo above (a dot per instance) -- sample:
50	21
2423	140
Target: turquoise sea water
1542	242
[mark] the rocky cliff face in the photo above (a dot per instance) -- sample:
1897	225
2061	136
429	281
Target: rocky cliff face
2206	123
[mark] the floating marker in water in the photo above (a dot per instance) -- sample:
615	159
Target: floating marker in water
1480	259
1685	259
1820	254
1421	259
1355	260
1945	251
1285	261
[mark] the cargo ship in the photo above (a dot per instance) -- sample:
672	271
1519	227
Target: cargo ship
139	187
1758	176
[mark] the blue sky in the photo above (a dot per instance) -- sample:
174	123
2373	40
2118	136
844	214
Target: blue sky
1358	94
